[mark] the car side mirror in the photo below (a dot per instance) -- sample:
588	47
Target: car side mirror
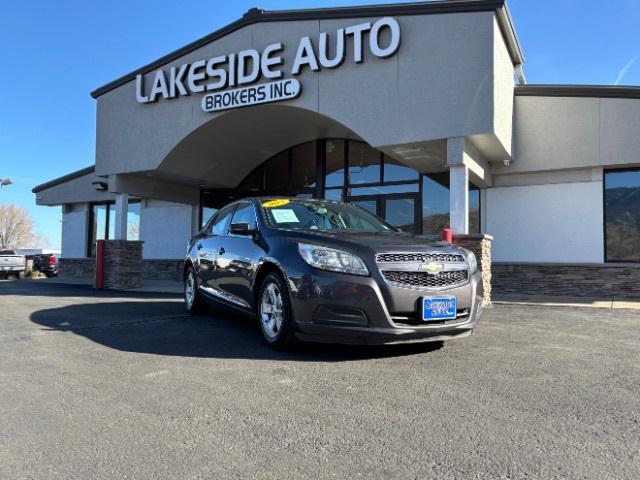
241	228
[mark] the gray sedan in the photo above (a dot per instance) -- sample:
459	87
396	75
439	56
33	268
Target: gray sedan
316	270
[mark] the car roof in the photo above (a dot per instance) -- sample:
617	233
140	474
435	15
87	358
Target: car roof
281	197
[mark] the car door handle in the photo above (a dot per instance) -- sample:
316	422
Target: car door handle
221	251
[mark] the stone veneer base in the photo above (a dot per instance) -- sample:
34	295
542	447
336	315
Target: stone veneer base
122	264
564	279
481	246
153	269
573	280
78	268
162	270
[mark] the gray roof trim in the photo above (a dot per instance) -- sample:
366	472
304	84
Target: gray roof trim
598	91
64	178
256	15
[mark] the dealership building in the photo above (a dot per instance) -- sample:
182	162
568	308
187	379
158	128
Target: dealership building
419	112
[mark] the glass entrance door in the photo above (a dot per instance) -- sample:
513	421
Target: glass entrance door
400	210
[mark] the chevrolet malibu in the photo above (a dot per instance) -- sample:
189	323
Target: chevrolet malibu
315	270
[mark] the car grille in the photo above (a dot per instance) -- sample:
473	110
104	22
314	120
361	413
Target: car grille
418	257
426	280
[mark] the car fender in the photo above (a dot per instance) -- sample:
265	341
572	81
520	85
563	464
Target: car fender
279	266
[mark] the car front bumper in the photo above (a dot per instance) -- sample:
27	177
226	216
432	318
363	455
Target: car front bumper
339	308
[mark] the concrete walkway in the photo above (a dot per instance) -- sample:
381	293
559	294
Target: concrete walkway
148	286
610	303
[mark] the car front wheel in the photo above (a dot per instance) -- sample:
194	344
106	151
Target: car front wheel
274	312
196	305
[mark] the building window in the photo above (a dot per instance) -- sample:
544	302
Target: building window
364	164
276	172
395	171
334	163
474	209
254	181
435	204
622	215
133	221
353	171
303	166
102	223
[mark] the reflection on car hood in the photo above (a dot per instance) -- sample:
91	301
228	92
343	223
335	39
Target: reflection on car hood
373	241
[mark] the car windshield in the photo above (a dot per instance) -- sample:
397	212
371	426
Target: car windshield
321	216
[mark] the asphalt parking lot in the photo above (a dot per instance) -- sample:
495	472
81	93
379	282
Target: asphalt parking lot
112	385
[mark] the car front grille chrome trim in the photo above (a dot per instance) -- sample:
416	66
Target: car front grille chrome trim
419	257
424	280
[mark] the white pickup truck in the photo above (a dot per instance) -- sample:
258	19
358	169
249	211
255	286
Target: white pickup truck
12	264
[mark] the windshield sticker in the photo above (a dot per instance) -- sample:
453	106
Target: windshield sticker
275	203
285	215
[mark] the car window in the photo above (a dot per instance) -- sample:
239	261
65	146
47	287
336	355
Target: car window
7	252
245	214
222	220
301	214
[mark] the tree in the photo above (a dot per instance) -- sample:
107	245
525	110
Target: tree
16	227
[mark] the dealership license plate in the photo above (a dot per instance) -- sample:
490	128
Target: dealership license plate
438	308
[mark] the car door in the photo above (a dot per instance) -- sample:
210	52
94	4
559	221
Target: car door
237	259
207	246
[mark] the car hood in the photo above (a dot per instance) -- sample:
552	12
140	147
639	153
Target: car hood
374	242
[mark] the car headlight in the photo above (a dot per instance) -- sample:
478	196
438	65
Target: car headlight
473	263
332	259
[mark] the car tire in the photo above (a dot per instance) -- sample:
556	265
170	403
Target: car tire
275	316
193	300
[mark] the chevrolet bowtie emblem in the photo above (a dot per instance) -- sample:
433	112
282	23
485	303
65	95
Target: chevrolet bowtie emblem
432	267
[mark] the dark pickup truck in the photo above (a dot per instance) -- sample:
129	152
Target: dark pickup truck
46	263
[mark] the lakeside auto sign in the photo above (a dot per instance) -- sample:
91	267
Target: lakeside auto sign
219	76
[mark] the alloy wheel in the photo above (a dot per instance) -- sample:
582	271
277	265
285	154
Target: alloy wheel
271	311
190	290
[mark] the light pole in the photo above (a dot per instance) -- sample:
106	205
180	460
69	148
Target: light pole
5	181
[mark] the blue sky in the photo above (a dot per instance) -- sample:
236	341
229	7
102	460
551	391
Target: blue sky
54	53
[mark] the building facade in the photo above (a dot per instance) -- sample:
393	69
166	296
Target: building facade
417	112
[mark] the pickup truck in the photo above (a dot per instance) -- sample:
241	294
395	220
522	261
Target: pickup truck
12	264
46	263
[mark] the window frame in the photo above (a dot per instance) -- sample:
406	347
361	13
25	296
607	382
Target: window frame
320	189
605	171
107	204
239	205
209	227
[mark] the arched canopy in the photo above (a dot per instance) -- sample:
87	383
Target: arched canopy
226	149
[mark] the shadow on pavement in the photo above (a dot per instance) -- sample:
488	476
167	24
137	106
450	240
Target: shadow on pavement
44	288
163	328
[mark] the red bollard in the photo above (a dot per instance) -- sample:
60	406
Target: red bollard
447	235
99	264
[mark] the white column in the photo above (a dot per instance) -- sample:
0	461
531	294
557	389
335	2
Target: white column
458	186
122	208
459	199
195	219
